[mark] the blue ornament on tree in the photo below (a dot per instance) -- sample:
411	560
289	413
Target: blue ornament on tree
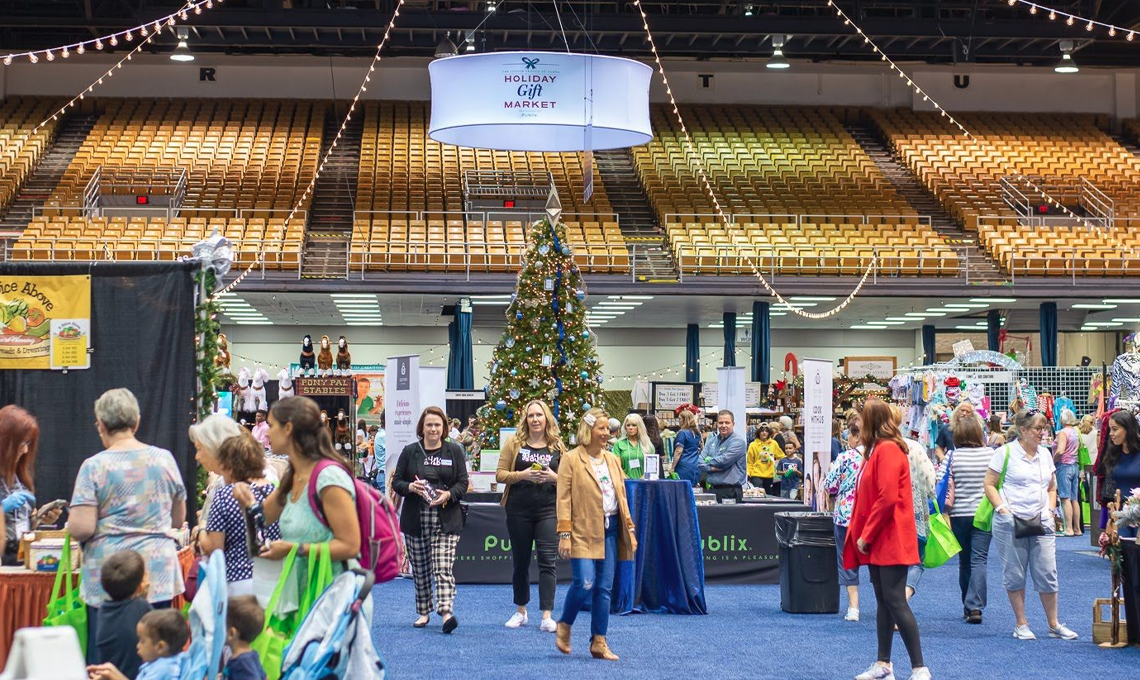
580	294
565	249
510	414
585	406
510	342
500	405
514	394
514	371
543	249
599	377
518	315
585	375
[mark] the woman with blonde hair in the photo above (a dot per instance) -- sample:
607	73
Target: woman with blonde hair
528	466
595	530
687	448
1068	473
632	446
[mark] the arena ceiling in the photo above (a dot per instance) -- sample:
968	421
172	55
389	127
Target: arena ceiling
932	31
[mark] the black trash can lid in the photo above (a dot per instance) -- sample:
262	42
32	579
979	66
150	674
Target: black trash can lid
805	528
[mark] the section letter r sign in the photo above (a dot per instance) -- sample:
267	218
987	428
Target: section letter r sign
207	74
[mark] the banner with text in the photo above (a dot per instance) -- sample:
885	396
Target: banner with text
402	394
45	322
818	414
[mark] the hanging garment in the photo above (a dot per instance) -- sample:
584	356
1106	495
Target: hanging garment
1060	404
1045	405
1125	374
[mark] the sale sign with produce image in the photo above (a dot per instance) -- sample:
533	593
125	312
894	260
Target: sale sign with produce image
30	306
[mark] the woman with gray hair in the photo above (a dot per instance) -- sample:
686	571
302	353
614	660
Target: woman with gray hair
127	497
1068	473
1022	486
207	437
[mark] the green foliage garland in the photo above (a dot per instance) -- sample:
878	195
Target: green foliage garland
546	351
206	329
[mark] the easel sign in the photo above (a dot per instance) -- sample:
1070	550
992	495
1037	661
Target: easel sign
667	396
876	367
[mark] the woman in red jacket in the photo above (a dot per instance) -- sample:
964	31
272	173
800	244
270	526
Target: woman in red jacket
882	536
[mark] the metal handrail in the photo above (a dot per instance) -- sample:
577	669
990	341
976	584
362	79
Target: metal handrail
726	259
789	218
484	214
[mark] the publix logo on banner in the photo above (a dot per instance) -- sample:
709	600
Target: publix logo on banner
528	84
730	548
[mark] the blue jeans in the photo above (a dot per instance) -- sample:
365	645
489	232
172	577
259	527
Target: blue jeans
847	577
915	571
971	562
593	582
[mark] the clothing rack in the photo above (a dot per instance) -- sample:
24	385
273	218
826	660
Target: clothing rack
1000	383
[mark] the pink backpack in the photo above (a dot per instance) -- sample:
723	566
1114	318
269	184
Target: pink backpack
380	541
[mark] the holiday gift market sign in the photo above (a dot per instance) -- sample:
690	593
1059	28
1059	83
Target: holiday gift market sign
45	322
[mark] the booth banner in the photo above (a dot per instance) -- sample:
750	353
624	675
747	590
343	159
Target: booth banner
325	387
818	414
753	391
402	393
540	101
730	396
669	396
369	392
45	322
738	543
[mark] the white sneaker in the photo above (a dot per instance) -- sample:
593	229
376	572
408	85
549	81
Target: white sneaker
1023	633
517	619
877	671
1062	631
852	614
548	625
921	674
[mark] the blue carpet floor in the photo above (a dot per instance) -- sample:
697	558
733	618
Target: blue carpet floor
746	636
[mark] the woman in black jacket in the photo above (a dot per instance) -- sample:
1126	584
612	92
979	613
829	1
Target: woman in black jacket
432	476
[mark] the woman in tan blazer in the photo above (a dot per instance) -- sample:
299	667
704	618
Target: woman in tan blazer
528	465
595	530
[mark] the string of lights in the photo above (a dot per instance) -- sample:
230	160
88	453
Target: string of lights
695	159
145	31
1037	8
170	21
321	166
1002	160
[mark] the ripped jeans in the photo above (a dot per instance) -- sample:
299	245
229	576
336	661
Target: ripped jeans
593	582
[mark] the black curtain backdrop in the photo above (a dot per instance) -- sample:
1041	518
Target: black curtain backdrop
142	328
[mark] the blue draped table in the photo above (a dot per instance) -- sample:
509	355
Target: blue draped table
668	573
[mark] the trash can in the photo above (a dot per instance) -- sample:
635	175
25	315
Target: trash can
809	573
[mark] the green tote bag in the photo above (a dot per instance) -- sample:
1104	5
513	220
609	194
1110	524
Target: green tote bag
278	630
941	544
984	515
66	608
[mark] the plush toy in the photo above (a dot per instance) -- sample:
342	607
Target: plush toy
284	384
343	356
257	389
222	358
343	435
325	357
246	401
308	358
325	420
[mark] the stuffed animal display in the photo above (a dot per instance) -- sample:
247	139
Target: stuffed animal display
222	358
244	397
342	437
308	357
257	390
284	384
325	357
343	356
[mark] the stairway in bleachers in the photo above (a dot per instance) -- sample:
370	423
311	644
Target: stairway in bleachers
652	259
39	185
334	199
981	269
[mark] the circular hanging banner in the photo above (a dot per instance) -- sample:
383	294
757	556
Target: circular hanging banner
540	101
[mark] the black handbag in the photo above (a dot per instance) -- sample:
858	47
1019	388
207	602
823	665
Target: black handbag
1024	528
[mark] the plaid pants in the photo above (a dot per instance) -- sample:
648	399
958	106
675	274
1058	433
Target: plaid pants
432	554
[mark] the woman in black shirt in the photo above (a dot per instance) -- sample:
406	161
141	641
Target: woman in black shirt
528	466
432	477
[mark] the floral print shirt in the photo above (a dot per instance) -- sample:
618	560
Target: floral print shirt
841	479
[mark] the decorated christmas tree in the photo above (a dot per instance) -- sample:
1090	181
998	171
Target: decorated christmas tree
546	352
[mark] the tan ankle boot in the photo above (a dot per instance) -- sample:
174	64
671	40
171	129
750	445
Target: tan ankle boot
562	637
600	650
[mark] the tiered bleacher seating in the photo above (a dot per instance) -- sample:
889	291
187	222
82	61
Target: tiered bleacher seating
965	175
1061	250
904	247
242	154
762	161
458	245
409	201
20	149
67	238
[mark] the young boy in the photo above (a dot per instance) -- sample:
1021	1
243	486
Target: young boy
162	634
124	579
244	621
790	470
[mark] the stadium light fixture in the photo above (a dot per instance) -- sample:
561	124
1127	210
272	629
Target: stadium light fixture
446	48
748	10
778	60
1066	65
182	51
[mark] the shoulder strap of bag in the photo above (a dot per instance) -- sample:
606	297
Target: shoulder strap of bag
314	496
64	568
1004	467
